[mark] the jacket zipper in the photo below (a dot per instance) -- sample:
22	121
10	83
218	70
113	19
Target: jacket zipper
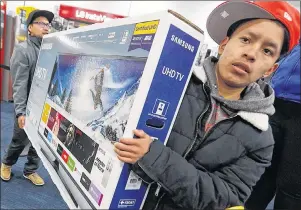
192	144
197	125
187	151
158	190
156	207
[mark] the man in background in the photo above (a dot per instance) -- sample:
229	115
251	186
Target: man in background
22	64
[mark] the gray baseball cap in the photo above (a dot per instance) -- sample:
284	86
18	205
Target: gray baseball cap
39	13
228	13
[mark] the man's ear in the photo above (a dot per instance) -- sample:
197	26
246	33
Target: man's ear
29	28
222	45
271	70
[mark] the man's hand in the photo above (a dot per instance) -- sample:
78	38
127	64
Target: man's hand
130	150
21	121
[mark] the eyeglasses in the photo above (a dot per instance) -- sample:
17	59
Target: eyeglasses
43	25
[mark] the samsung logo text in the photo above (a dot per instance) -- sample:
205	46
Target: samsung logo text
182	43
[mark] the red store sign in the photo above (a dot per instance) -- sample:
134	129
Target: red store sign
3	5
85	15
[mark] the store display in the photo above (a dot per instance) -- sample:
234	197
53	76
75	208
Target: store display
68	17
22	13
96	84
2	22
6	46
2	13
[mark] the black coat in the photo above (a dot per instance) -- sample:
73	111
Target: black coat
214	171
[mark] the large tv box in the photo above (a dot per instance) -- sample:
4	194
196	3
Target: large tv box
96	84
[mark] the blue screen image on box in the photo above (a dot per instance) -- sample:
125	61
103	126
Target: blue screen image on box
97	90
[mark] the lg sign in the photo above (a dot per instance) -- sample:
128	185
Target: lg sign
89	16
85	15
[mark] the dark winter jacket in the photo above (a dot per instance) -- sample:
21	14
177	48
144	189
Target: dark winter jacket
286	83
22	66
289	165
216	170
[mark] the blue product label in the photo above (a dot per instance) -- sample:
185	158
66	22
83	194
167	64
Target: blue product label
164	95
49	137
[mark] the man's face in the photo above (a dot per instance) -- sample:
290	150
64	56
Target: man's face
250	53
39	27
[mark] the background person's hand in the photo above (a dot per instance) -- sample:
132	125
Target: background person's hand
21	121
130	150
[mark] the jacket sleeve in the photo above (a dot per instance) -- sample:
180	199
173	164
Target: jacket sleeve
194	188
20	72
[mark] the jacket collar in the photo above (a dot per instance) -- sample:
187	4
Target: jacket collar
35	40
259	120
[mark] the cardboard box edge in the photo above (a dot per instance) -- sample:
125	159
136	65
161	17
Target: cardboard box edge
181	17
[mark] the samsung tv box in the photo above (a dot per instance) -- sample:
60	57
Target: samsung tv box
95	84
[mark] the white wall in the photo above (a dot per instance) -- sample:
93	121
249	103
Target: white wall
117	7
195	11
12	5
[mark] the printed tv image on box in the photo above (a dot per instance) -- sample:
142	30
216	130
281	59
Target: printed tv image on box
87	106
77	142
97	90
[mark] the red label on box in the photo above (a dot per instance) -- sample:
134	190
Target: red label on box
65	156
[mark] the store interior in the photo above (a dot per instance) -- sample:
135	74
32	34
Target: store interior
69	15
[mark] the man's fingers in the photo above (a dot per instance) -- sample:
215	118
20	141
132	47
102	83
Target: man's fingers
21	121
140	133
124	154
129	141
124	147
